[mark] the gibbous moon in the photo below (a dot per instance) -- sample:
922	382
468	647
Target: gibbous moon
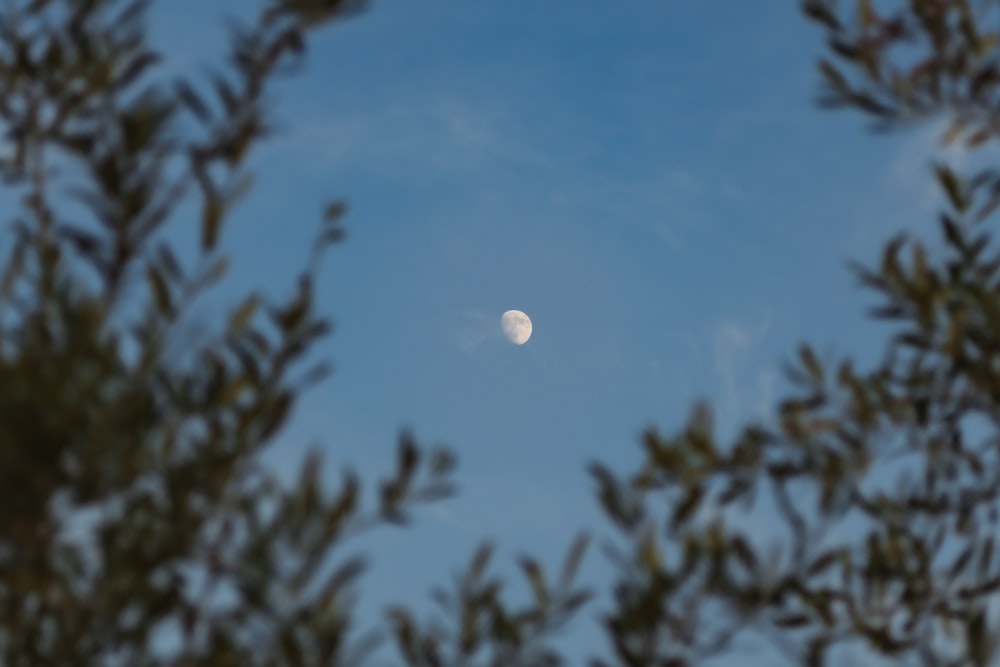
516	326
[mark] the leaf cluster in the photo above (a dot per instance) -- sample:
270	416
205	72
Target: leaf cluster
140	526
865	517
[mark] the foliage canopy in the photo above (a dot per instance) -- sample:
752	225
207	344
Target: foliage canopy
140	528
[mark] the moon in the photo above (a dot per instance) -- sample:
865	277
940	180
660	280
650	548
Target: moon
516	326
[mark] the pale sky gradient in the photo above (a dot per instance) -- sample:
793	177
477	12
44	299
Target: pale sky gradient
649	181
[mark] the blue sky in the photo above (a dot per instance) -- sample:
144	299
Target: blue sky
650	181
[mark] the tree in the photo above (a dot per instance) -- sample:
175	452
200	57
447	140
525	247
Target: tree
880	488
138	526
885	481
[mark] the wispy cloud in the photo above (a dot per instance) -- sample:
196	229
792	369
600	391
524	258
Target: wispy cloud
913	193
909	171
733	347
905	196
543	151
477	327
669	202
430	130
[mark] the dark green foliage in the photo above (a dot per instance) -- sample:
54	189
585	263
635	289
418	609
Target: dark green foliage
486	631
138	525
885	483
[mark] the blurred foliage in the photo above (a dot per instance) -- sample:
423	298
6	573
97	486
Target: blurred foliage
138	524
862	523
140	527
